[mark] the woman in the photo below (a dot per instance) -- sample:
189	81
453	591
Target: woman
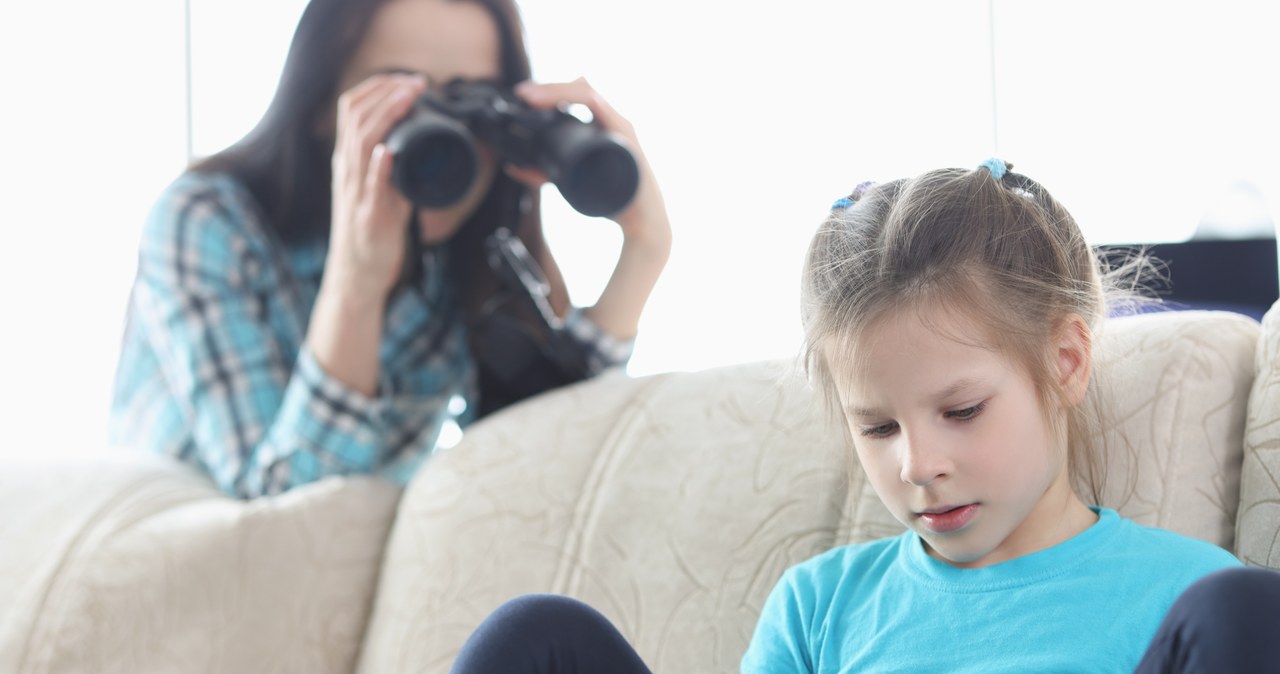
286	324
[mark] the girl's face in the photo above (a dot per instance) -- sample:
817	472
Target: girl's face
441	40
954	440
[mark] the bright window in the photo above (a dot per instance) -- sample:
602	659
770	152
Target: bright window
1147	119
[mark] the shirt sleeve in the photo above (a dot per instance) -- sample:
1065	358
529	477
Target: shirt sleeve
603	351
261	421
780	644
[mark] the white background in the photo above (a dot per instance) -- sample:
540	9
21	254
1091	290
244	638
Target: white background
1145	118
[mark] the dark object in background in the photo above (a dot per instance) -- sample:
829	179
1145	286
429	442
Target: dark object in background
436	159
1240	275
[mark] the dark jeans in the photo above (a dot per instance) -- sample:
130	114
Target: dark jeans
1226	622
547	634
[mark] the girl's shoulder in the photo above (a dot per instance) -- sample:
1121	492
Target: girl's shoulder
1163	548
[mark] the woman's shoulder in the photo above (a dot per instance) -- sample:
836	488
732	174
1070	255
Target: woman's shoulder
200	195
205	220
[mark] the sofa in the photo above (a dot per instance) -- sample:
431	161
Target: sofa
671	502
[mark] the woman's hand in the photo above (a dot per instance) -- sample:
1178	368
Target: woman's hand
646	229
645	218
367	240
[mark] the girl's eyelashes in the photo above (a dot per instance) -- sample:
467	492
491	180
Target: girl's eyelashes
968	413
888	428
879	430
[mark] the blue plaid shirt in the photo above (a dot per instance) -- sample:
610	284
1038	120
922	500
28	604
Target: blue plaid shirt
213	368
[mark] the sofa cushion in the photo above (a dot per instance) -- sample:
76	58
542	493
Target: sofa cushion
1258	527
674	502
131	563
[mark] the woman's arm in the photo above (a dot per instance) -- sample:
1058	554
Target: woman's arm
241	392
646	228
366	240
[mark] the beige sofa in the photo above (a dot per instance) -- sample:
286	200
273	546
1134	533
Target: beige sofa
671	502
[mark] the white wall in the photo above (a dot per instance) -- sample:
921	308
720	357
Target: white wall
1143	117
92	125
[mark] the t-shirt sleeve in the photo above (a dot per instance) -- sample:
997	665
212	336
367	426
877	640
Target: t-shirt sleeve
262	420
780	644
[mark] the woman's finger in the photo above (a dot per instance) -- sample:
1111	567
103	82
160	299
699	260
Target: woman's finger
580	92
365	114
381	114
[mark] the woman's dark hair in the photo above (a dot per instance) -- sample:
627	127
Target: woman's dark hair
286	164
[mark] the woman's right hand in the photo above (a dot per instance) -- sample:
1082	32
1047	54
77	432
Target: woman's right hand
367	237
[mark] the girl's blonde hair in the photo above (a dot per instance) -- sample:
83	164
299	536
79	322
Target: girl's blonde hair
998	250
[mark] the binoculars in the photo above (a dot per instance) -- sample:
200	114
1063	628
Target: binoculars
435	160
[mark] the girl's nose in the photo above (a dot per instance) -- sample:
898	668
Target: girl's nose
923	462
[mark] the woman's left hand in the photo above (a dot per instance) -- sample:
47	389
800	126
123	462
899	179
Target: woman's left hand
644	220
646	229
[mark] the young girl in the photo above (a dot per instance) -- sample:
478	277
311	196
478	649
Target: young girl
949	320
294	316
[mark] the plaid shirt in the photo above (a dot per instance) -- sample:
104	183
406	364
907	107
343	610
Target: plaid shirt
213	369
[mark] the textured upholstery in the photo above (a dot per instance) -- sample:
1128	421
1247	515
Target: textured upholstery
1259	522
673	503
149	569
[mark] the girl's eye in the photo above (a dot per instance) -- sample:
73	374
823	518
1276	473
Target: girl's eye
968	413
881	431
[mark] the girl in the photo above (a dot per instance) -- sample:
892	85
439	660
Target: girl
949	321
294	316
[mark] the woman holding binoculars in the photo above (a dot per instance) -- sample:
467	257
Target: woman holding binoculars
295	315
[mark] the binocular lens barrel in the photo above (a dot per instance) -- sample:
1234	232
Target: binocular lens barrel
435	160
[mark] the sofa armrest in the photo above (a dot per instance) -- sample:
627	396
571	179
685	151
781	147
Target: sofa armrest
131	563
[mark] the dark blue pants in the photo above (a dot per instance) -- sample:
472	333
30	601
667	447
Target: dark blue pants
1226	622
547	634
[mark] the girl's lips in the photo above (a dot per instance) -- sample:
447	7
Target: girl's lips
949	520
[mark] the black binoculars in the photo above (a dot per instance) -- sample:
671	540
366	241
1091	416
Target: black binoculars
435	159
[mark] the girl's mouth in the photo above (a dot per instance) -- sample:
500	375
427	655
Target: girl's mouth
946	520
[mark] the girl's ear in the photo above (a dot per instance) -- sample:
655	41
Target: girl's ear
1073	344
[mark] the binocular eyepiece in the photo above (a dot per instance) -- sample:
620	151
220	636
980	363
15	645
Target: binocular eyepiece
435	158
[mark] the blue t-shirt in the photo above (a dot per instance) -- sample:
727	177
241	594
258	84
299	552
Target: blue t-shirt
1089	604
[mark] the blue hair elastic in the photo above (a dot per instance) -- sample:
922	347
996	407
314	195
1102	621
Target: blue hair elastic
854	196
995	166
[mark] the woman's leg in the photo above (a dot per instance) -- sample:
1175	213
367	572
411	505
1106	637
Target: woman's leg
1228	621
547	634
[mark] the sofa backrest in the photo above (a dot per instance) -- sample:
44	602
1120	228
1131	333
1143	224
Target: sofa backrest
1258	524
674	502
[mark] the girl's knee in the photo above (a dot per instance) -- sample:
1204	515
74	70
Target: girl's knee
532	612
1239	590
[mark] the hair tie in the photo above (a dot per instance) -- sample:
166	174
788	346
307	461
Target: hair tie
854	196
995	166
